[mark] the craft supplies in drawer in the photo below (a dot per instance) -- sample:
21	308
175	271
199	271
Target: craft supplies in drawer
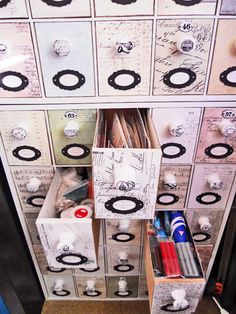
66	227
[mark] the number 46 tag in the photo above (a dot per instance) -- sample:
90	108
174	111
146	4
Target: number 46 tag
185	27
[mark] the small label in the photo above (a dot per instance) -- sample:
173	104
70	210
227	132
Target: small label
185	27
228	114
71	115
81	213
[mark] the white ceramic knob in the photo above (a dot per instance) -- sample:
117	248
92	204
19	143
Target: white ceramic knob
90	284
124	46
176	128
62	47
204	223
71	129
179	299
186	44
123	257
124	224
122	283
66	242
33	185
58	285
20	132
124	177
169	181
5	49
227	128
214	181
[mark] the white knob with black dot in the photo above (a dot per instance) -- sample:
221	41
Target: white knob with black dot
62	47
33	185
214	181
170	182
204	223
66	242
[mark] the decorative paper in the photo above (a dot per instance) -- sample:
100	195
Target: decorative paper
132	285
228	7
100	286
14	9
204	252
30	220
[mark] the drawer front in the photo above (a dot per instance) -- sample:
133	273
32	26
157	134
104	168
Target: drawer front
177	72
123	7
143	289
123	260
47	8
211	193
19	77
13	9
32	192
25	138
60	287
131	287
123	51
177	130
67	66
204	225
204	252
222	77
91	287
30	221
228	7
173	185
124	231
74	149
217	141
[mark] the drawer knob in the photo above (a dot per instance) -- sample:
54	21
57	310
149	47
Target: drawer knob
169	181
58	285
179	299
124	224
124	177
124	46
33	185
227	128
214	181
186	44
5	48
122	283
123	257
20	132
90	286
176	128
204	223
71	129
66	242
62	47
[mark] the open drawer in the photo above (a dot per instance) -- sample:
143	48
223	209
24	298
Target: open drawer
125	177
68	243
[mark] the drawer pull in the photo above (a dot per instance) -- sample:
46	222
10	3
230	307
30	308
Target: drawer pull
123	237
227	128
228	150
179	304
90	290
80	78
204	223
124	47
122	204
20	132
180	147
179	78
29	153
187	2
228	77
62	47
19	83
56	3
59	290
135	76
75	151
36	200
201	236
169	181
173	199
71	129
186	44
123	288
200	198
176	128
214	181
33	185
124	177
124	1
63	259
4	3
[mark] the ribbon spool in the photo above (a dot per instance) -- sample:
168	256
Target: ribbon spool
227	128
178	228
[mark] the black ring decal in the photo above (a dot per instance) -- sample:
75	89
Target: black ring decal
67	147
174	200
31	199
224	77
61	293
181	148
200	197
23	78
4	3
16	153
119	237
58	76
120	267
55	270
123	294
112	79
110	205
229	151
82	259
60	3
187	2
90	270
167	308
95	293
206	236
124	1
167	78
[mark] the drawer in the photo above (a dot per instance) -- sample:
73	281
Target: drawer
91	287
123	231
25	137
123	287
123	56
173	185
123	7
32	185
19	77
30	221
217	141
66	58
177	130
72	135
205	253
228	7
181	57
60	287
211	185
13	9
204	225
123	260
114	169
67	242
142	288
67	8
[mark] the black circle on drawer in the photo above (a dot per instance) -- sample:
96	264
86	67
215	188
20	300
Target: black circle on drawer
201	236
55	270
229	150
181	151
170	308
4	3
123	237
56	3
187	2
93	270
24	81
56	79
31	200
224	77
123	294
200	198
124	1
112	79
138	204
123	268
174	199
66	151
81	259
17	150
61	293
169	75
95	293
